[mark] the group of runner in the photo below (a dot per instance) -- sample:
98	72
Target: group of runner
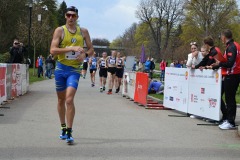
110	68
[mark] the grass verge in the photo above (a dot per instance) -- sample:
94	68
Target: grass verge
33	77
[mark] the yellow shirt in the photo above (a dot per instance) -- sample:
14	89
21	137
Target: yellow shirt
69	40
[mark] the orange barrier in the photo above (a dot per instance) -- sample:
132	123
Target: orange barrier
141	88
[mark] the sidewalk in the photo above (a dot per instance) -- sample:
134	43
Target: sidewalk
106	127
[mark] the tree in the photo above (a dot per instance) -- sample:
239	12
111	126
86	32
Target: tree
41	31
162	16
100	42
208	17
61	13
10	12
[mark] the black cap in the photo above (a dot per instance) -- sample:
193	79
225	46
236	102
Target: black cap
72	8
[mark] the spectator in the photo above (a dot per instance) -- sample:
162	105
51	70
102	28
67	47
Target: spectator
147	65
195	57
49	66
230	82
178	65
155	87
40	66
17	52
209	58
162	67
172	64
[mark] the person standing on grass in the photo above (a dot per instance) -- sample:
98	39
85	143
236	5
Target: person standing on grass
162	67
67	44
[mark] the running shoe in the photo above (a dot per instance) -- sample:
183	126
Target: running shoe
117	90
109	92
101	89
69	138
104	88
63	134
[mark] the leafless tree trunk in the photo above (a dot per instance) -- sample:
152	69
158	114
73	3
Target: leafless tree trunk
162	16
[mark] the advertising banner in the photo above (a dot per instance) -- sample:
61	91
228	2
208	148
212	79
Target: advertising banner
141	89
176	89
129	84
24	79
3	94
19	79
205	93
9	81
14	81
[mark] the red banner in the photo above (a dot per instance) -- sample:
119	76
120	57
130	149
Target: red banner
2	81
141	88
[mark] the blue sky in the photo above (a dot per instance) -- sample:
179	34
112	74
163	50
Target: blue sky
105	18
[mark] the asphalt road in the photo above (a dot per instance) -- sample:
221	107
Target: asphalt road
106	127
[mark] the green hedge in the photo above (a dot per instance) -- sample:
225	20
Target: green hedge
4	57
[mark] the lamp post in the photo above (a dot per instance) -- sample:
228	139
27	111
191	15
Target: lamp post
30	5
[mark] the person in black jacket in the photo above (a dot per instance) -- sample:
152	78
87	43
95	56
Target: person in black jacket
49	66
230	81
17	52
209	58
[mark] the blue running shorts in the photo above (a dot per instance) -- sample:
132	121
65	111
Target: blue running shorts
66	76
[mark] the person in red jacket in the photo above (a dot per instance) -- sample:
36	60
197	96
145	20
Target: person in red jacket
162	67
231	78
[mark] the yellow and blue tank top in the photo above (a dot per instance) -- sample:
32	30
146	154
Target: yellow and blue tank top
70	40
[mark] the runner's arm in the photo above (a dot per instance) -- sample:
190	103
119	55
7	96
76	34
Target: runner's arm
88	42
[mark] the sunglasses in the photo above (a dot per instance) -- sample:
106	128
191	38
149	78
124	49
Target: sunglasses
16	43
71	15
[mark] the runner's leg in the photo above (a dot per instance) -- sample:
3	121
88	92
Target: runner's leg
70	112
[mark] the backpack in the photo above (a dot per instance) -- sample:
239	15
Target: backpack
147	65
152	66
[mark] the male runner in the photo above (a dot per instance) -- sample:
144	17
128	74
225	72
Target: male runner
102	71
93	68
85	67
67	45
111	64
119	72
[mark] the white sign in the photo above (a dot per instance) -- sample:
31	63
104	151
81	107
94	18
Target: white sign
193	91
129	82
176	89
205	93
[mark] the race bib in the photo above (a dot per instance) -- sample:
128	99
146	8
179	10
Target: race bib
84	60
112	61
94	63
72	55
103	63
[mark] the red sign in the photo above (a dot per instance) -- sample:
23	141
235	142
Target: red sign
141	88
2	81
